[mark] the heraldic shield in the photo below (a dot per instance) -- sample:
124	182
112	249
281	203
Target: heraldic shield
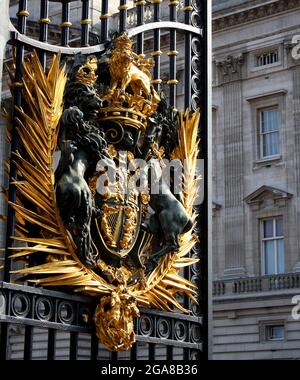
93	135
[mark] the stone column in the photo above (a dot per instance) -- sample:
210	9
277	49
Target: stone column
4	36
230	78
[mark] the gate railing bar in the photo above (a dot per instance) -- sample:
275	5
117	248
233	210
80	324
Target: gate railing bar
17	93
51	344
73	345
140	9
28	343
187	96
170	342
133	352
42	324
172	82
122	15
169	352
104	20
202	100
32	298
151	351
65	24
16	36
44	22
208	317
186	354
187	68
85	22
94	347
114	356
156	45
30	290
177	316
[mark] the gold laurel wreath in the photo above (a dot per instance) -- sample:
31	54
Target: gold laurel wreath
38	130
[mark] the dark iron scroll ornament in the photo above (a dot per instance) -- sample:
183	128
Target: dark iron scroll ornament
84	229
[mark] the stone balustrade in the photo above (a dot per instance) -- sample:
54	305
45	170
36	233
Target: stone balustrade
256	284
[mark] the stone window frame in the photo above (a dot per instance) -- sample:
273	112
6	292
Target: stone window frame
263	326
257	235
260	132
262	239
265	50
257	104
257	217
277	204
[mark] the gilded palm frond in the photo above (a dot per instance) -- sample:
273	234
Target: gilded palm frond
165	281
37	129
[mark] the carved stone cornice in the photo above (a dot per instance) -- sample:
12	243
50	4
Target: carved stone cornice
256	199
230	68
229	20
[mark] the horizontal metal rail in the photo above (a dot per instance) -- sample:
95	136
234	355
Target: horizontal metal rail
19	304
16	36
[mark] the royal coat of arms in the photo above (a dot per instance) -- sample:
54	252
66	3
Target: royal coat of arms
91	221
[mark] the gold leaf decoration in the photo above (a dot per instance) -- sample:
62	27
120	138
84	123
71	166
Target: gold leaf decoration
38	129
165	281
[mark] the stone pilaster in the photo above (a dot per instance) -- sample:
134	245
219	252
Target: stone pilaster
296	104
230	73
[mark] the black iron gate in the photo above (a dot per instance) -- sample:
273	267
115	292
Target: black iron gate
180	27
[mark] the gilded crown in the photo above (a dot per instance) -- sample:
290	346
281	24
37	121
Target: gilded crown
87	72
123	42
131	98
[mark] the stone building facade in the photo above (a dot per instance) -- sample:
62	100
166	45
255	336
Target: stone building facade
256	182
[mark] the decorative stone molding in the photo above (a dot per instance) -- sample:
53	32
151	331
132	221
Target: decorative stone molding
292	52
256	200
253	14
255	98
230	68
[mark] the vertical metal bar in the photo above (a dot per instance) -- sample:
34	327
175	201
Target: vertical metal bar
73	345
104	20
114	356
187	93
186	354
4	341
22	15
85	22
207	280
169	352
156	46
152	351
65	23
28	343
187	50
44	22
133	352
202	100
172	82
51	344
140	8
123	15
94	347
